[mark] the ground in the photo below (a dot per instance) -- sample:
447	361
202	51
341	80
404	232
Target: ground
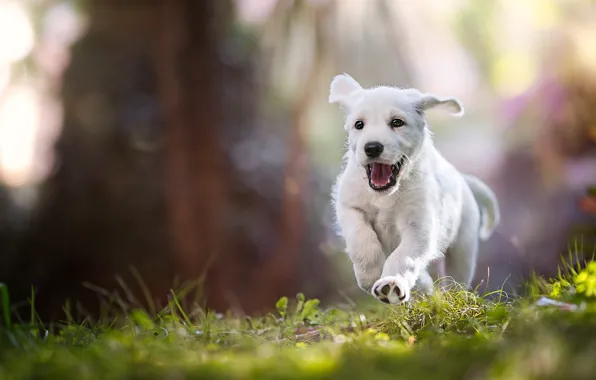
452	335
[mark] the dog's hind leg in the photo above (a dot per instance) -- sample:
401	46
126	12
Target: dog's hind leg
425	283
460	258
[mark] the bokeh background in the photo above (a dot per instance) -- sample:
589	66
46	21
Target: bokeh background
149	145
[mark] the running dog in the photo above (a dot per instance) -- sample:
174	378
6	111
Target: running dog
400	206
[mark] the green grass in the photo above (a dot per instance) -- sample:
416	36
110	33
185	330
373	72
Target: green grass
452	335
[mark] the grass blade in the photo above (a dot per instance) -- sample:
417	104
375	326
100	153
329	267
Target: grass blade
5	303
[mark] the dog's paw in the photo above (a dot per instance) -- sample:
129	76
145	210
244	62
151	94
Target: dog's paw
391	289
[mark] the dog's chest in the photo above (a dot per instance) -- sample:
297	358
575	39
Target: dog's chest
384	224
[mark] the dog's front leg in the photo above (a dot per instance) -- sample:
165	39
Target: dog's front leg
403	267
362	245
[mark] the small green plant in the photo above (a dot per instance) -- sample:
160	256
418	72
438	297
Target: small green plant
282	306
585	281
307	310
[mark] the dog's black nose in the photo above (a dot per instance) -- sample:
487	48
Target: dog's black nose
373	149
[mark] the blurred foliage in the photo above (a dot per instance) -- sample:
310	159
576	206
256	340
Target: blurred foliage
588	203
478	16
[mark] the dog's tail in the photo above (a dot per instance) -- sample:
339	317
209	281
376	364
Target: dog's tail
488	204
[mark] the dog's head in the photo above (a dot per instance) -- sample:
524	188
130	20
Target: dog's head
386	126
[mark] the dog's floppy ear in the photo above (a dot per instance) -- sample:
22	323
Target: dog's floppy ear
342	87
428	101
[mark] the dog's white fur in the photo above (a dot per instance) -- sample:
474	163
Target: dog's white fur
394	237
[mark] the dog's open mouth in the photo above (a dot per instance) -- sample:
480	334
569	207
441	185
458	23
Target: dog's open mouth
383	176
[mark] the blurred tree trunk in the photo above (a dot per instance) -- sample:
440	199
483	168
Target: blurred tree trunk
190	80
155	105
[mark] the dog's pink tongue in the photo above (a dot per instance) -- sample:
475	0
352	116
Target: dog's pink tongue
380	174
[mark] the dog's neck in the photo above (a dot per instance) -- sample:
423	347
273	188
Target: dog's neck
422	157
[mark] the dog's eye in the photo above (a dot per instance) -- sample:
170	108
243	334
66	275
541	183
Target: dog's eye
396	123
359	124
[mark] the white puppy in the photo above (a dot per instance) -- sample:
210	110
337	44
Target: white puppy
400	206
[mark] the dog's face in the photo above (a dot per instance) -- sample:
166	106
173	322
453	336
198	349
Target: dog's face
386	126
